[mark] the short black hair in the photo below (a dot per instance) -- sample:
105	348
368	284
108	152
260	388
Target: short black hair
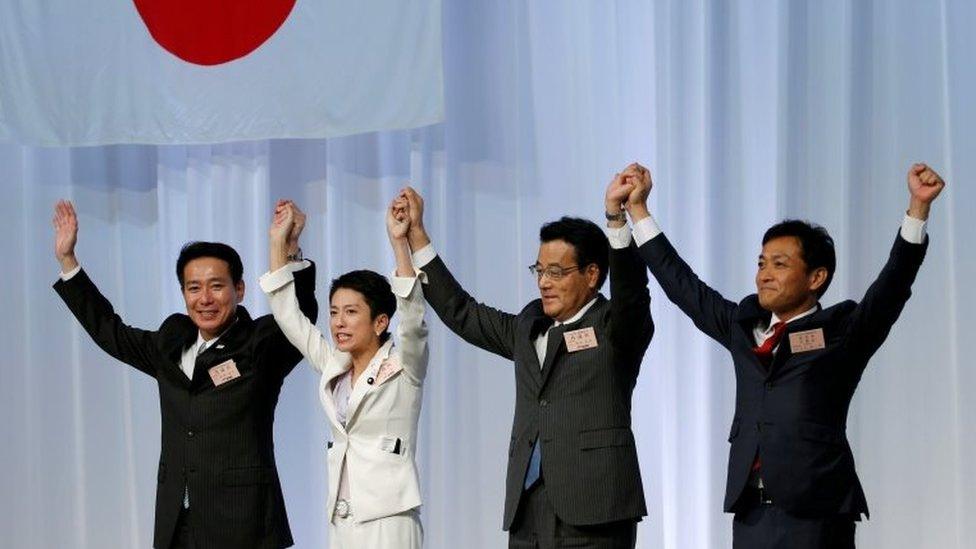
816	245
586	238
375	289
219	250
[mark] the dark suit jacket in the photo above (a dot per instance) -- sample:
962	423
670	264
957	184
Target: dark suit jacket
794	414
577	404
217	441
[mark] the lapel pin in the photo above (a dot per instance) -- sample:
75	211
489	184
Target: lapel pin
370	381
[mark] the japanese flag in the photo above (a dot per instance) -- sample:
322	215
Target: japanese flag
204	71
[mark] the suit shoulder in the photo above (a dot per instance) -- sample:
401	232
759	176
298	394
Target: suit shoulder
845	307
176	321
531	310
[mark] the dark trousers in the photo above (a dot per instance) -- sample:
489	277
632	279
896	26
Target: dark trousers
183	537
765	526
536	526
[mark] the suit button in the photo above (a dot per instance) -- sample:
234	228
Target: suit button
543	403
189	434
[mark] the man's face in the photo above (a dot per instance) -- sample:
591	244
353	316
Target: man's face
783	282
563	298
211	295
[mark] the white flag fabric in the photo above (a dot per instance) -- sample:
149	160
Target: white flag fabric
208	71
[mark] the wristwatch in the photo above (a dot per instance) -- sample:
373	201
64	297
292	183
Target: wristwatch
297	256
619	216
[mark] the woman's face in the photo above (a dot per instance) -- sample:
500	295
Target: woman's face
353	330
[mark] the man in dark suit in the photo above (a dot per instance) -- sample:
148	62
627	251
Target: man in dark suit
219	374
573	475
791	478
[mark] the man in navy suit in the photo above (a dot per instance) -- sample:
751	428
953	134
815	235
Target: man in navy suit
791	478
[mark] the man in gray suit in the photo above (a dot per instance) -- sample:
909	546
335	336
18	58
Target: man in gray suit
573	476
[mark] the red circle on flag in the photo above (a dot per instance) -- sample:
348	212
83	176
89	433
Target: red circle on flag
211	32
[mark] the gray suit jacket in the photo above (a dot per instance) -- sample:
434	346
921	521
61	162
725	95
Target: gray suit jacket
577	404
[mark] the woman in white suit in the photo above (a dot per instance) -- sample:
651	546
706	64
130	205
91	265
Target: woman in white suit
370	388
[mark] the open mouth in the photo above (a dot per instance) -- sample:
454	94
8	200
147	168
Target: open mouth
342	338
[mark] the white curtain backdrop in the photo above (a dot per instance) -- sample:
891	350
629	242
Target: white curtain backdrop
746	112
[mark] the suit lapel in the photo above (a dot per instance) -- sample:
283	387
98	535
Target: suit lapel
553	348
556	345
538	325
362	386
336	368
174	345
747	315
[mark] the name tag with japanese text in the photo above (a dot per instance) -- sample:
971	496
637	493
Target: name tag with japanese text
578	340
224	372
809	340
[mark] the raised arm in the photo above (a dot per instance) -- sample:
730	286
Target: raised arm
130	345
707	308
280	285
303	270
411	329
887	295
476	323
631	326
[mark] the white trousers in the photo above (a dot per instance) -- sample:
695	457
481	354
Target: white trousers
400	531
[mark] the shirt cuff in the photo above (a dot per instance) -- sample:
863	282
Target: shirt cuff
645	229
70	274
423	256
403	285
296	266
619	237
913	230
274	280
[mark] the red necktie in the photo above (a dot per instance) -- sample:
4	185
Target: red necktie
765	351
765	354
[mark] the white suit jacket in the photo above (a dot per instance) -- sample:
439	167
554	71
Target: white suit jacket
381	472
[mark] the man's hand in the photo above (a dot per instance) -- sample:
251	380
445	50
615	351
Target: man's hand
924	185
618	190
297	227
398	219
65	235
417	234
282	227
641	178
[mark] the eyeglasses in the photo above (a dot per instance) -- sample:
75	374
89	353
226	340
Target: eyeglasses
554	272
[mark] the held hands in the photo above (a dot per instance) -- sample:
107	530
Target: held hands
924	185
629	191
287	225
65	235
398	219
282	224
616	196
416	234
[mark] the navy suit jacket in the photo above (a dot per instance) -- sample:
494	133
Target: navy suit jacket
794	413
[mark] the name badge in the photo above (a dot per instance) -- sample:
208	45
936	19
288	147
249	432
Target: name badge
224	372
578	340
386	371
809	340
